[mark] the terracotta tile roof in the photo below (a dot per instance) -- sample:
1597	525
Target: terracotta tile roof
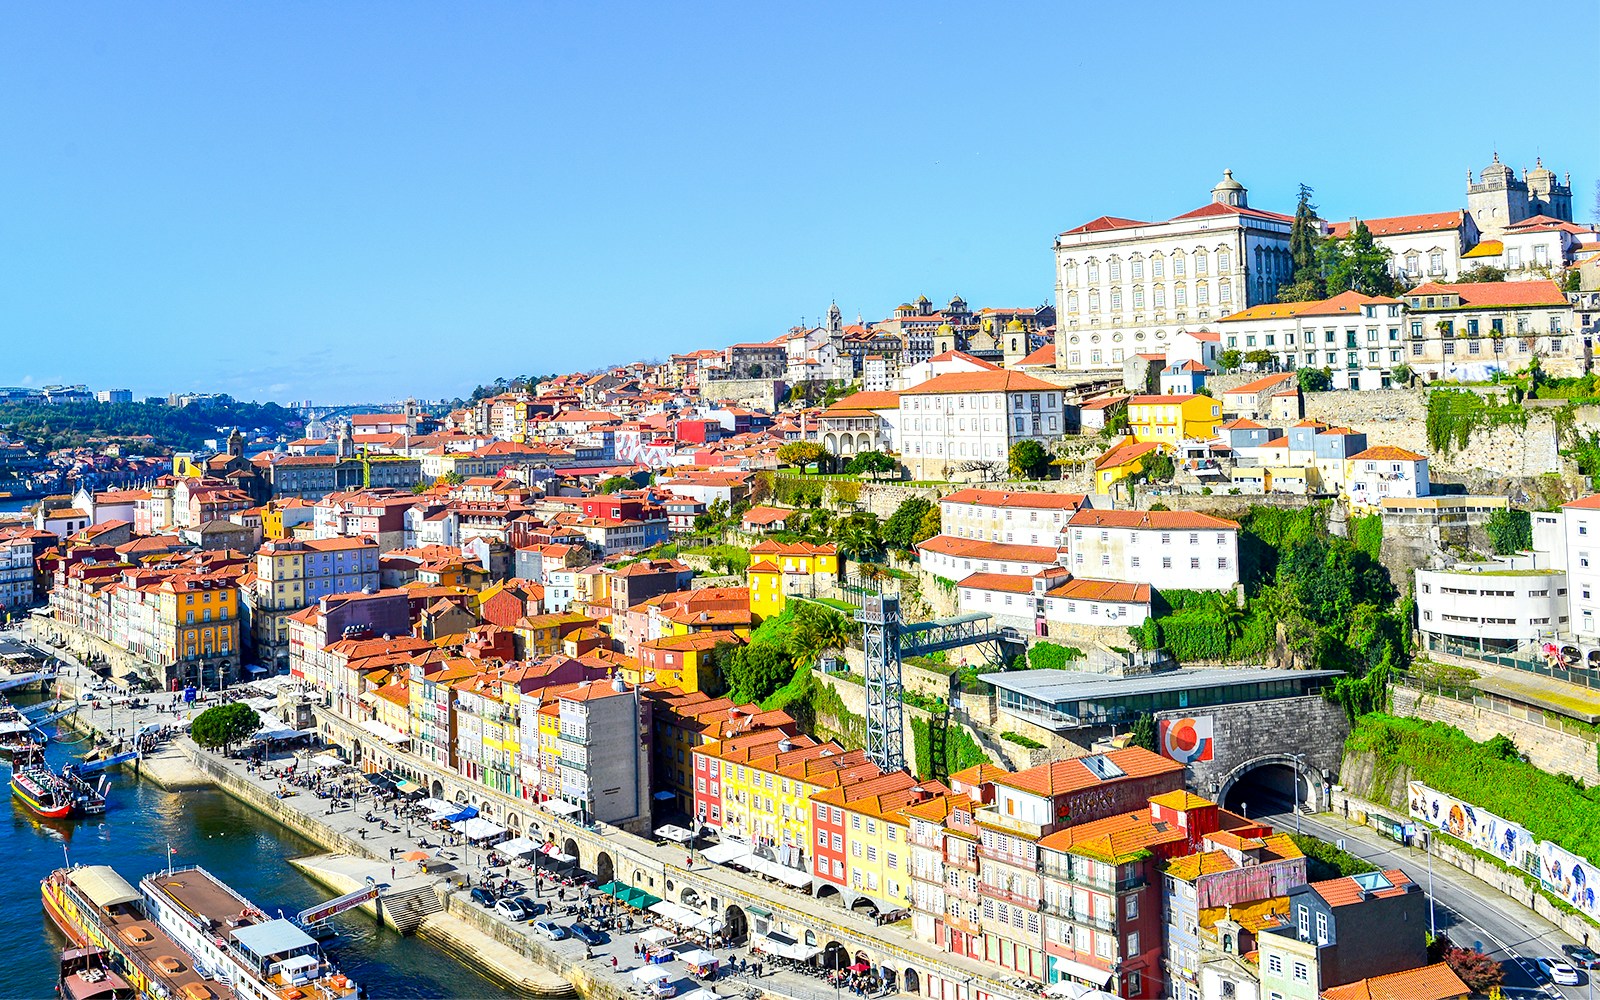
1000	582
1397	225
1387	453
1215	209
1590	502
1253	917
1020	500
1192	866
979	774
975	548
1154	520
1064	776
985	381
964	356
1262	384
1115	839
1347	891
1103	402
1243	424
1491	294
859	402
1103	224
1103	590
766	515
1124	453
1485	248
1430	982
1044	357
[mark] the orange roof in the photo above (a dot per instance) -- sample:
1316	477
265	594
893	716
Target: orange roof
1155	520
1343	304
1590	502
1002	582
1124	453
1115	839
1397	225
1104	223
1492	294
979	774
766	515
985	381
975	548
1064	776
1430	982
1192	866
1262	384
1347	891
1044	356
1103	590
1387	453
861	401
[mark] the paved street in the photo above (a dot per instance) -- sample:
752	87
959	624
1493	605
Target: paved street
1468	910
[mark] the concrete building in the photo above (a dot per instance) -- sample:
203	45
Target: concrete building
1344	930
1494	607
605	753
1358	337
964	422
291	575
1022	518
1125	287
1168	549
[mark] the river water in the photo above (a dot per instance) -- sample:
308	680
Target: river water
205	827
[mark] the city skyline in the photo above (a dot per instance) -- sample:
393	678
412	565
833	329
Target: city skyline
322	205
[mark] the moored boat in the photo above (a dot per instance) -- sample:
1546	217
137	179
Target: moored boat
86	974
56	795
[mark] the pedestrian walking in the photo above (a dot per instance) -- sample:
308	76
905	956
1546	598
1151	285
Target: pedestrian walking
391	867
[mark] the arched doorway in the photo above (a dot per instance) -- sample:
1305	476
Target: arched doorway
461	798
688	897
827	890
436	789
514	822
834	956
861	959
604	870
734	924
569	847
862	904
1271	785
910	982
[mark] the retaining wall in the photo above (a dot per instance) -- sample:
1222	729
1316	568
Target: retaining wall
1548	748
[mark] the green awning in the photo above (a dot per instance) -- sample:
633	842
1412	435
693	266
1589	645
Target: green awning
610	888
644	900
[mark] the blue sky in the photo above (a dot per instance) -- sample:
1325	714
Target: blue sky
361	201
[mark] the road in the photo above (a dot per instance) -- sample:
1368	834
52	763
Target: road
1469	911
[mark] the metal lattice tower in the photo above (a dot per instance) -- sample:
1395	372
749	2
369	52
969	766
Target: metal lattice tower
880	636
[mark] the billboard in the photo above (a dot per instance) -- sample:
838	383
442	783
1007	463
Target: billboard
1187	741
1570	877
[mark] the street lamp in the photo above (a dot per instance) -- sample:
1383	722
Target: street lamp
1299	764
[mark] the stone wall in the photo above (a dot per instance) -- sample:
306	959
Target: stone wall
1266	732
1547	748
756	393
883	499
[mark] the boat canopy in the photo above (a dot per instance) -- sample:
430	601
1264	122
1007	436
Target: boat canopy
104	887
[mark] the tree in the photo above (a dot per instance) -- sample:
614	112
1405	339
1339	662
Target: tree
1401	373
1143	733
1230	359
1029	460
870	463
1156	467
1305	283
929	526
1314	379
615	483
1480	273
222	726
452	479
754	672
1356	263
900	531
858	535
1509	531
1259	356
801	453
1478	971
1572	281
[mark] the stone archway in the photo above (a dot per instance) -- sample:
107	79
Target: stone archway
735	925
1279	774
569	847
910	982
834	956
514	822
830	442
604	870
826	890
461	798
436	790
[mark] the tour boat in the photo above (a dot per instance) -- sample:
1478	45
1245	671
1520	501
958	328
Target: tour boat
98	910
86	974
56	796
17	736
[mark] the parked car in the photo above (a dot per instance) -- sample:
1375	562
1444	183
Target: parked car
1583	958
483	897
510	908
553	931
530	908
588	935
1559	972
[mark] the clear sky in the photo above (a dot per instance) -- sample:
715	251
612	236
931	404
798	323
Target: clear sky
361	201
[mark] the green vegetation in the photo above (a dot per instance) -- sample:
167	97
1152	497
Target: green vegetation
909	524
871	463
1325	861
1355	263
802	454
1491	775
1029	460
1052	656
70	425
612	484
1230	359
1022	741
1366	533
781	647
961	751
1143	733
222	726
1509	531
1314	379
1305	283
1453	415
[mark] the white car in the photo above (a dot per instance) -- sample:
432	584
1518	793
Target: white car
1559	972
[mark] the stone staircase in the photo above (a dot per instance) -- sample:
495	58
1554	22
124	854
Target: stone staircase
404	908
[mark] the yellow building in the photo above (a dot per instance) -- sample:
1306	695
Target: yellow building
1171	419
686	662
540	635
197	626
392	706
780	570
876	846
1120	462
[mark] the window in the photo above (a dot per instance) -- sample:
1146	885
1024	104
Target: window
1322	928
1130	910
1275	965
1301	972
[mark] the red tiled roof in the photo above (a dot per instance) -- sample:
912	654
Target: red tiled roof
1430	982
1484	294
1154	520
1217	208
1103	590
1124	453
1397	225
1023	500
984	381
1387	453
1064	776
1262	384
1044	356
1104	223
975	548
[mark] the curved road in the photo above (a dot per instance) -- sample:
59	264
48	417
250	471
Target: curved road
1468	910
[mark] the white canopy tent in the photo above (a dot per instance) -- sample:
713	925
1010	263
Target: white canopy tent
676	834
657	936
477	828
700	994
783	873
520	847
674	912
727	852
561	807
649	974
327	760
697	956
708	925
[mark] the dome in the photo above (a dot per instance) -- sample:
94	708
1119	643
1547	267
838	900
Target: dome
1229	191
1228	183
1015	326
1496	168
945	329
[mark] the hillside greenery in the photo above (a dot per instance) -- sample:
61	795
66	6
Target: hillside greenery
1491	775
70	425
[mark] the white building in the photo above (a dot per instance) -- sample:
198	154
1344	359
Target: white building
1358	336
1533	248
1427	247
861	421
957	558
1168	549
1473	329
1494	607
1007	516
966	421
1032	603
1582	521
1125	287
1385	471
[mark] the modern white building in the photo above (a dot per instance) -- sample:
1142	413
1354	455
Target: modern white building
1009	516
1582	521
1033	603
967	421
1167	549
1494	607
1125	287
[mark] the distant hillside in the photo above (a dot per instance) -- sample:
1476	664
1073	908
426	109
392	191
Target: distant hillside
72	424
